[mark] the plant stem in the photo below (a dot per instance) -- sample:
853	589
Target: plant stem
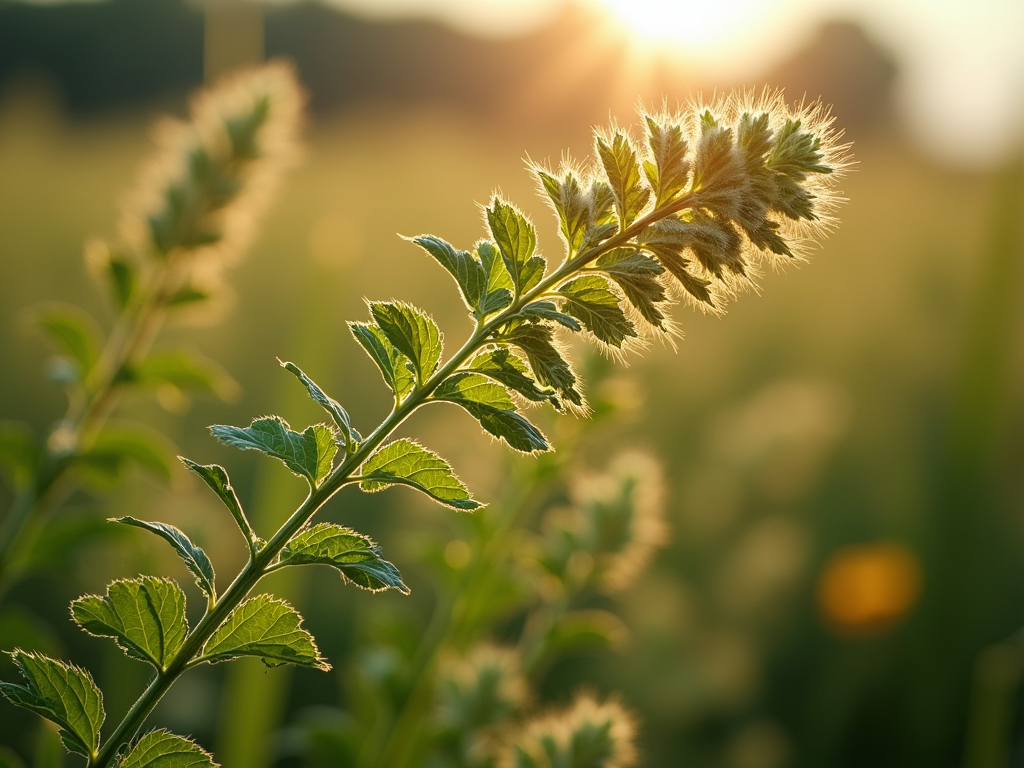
130	339
259	565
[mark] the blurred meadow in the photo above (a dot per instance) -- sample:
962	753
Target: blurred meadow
843	452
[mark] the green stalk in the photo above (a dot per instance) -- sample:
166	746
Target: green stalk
343	474
447	625
131	338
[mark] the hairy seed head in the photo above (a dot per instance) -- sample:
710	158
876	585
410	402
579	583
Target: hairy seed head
213	176
587	734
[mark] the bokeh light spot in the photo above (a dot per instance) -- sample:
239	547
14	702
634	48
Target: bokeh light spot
865	590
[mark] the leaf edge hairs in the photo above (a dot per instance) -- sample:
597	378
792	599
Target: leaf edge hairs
718	189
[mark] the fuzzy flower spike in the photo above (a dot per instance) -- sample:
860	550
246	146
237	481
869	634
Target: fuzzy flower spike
715	189
215	174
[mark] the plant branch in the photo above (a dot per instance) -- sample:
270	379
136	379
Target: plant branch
263	562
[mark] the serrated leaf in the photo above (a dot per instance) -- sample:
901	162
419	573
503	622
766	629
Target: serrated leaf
183	369
499	289
670	171
796	153
591	301
516	239
268	628
19	453
72	332
217	478
160	749
353	554
195	558
546	310
491	405
309	453
119	445
146	616
409	463
332	406
507	369
469	273
62	693
714	164
547	363
637	275
667	241
623	171
412	332
390	361
571	205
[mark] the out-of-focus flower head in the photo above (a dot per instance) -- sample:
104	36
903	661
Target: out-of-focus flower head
213	176
616	521
482	688
587	734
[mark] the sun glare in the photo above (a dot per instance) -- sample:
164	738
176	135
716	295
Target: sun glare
692	28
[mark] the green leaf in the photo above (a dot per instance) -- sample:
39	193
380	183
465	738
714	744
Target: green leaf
570	203
754	138
19	454
462	265
623	171
796	153
516	238
715	167
546	310
490	404
183	369
72	332
196	561
62	693
339	414
265	627
667	241
146	616
390	361
670	171
309	453
637	275
590	300
408	463
188	296
123	277
550	368
412	332
498	294
581	631
117	446
507	369
353	554
217	478
160	749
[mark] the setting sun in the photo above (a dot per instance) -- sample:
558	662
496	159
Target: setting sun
724	30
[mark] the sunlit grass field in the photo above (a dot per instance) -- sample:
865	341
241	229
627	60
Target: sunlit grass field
812	417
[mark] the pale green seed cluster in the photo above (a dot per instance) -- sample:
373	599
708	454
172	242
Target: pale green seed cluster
587	734
214	174
605	537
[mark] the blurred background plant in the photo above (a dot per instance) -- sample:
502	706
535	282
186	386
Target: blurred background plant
190	215
848	593
525	583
